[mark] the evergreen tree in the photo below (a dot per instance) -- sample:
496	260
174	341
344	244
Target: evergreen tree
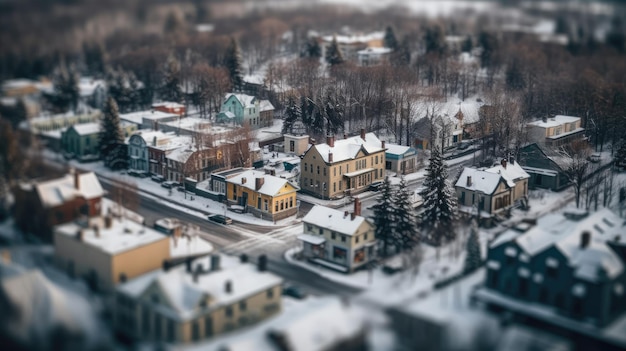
389	40
620	155
333	110
434	40
488	43
467	44
439	211
292	114
66	91
405	230
402	55
124	89
94	55
312	49
170	91
334	56
384	218
111	138
473	258
232	61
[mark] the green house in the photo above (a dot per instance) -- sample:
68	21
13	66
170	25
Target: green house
80	141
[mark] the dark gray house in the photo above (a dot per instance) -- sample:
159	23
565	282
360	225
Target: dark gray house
544	166
568	265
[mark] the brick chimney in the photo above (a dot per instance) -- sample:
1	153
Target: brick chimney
363	133
77	180
330	140
228	286
382	144
357	207
243	180
469	180
258	183
585	238
330	157
503	163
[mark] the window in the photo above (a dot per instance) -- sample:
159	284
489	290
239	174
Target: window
359	255
343	238
318	169
339	253
269	293
242	305
228	311
357	239
333	235
365	236
306	167
523	287
376	159
334	171
552	272
321	231
324	171
195	331
292	145
208	326
334	187
290	202
145	320
309	227
340	184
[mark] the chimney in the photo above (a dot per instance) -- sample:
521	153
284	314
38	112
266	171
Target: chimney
228	286
188	265
166	265
262	264
345	214
363	133
511	160
77	180
544	119
503	163
330	140
108	222
382	144
243	180
330	157
215	263
585	238
258	183
469	180
357	207
243	258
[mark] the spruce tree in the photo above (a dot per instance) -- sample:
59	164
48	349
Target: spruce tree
439	211
405	229
170	91
232	61
384	218
66	92
389	40
467	44
111	137
312	49
292	114
334	56
620	155
473	258
402	55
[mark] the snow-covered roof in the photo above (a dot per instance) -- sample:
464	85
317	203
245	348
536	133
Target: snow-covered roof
181	154
58	191
396	149
266	105
189	245
511	173
87	86
271	184
254	79
376	51
245	100
346	149
137	117
481	181
469	108
591	262
554	121
168	104
44	308
17	83
355	39
334	220
149	136
184	295
87	128
123	235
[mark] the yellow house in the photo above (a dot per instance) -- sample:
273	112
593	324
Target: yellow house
266	196
197	300
108	250
332	169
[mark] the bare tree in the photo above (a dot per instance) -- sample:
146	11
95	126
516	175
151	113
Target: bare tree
576	166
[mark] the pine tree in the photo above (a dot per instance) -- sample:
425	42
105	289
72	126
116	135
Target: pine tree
312	49
384	218
292	114
170	91
334	56
473	258
66	92
402	55
111	138
439	211
389	40
232	61
620	155
124	89
434	39
405	229
467	44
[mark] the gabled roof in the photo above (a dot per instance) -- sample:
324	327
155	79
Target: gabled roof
245	100
266	105
271	184
184	295
346	149
333	220
87	128
58	191
511	173
482	181
396	149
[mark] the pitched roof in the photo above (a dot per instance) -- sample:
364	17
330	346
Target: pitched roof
245	100
396	149
482	181
554	121
266	105
346	149
511	173
334	220
87	128
271	184
58	191
183	294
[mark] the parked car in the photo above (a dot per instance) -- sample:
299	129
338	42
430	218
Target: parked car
168	184
138	174
595	158
375	186
158	178
294	291
464	145
220	219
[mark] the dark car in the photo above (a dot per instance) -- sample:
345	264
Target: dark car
376	186
138	174
220	219
168	185
294	291
158	178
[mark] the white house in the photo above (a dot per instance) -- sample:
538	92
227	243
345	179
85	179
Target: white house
138	143
374	56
